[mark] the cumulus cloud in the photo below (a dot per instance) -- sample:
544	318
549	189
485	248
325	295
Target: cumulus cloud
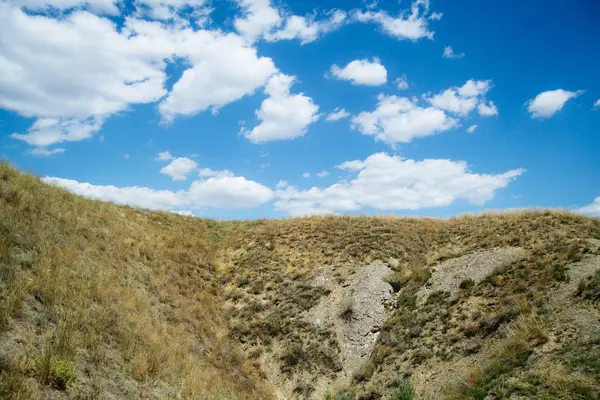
210	173
179	168
132	195
462	100
306	175
385	182
471	129
411	24
399	119
260	19
362	72
337	114
48	131
94	69
449	53
322	174
282	115
487	110
401	83
307	29
97	6
592	209
168	9
546	104
226	192
215	78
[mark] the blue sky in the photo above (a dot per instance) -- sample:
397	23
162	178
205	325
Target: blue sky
258	108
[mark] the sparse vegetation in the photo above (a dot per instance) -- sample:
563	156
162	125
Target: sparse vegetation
98	300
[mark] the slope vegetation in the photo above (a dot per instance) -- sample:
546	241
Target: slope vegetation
99	301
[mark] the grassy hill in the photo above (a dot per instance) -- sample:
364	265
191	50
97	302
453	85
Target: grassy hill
99	301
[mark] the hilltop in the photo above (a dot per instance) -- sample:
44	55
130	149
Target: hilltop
99	301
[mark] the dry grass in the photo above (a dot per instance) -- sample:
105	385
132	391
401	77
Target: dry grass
155	305
129	298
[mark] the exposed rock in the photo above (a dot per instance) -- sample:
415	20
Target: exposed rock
355	310
448	275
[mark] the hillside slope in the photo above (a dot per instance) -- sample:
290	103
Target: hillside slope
99	301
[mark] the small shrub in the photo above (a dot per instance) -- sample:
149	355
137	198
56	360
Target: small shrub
439	296
589	289
347	309
62	374
403	390
466	284
346	396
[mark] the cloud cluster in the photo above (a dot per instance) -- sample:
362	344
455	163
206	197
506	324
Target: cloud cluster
401	120
381	182
410	24
260	19
226	192
93	70
385	182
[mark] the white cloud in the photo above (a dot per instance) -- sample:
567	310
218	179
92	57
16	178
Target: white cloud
283	115
449	53
546	104
387	182
94	69
179	168
487	110
90	69
592	209
132	195
215	79
48	131
472	128
362	72
224	192
44	152
209	173
399	119
168	9
96	6
462	100
411	25
306	175
401	83
258	18
307	29
164	156
228	192
322	174
337	114
597	103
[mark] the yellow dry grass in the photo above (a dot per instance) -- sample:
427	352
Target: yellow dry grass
130	297
102	301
